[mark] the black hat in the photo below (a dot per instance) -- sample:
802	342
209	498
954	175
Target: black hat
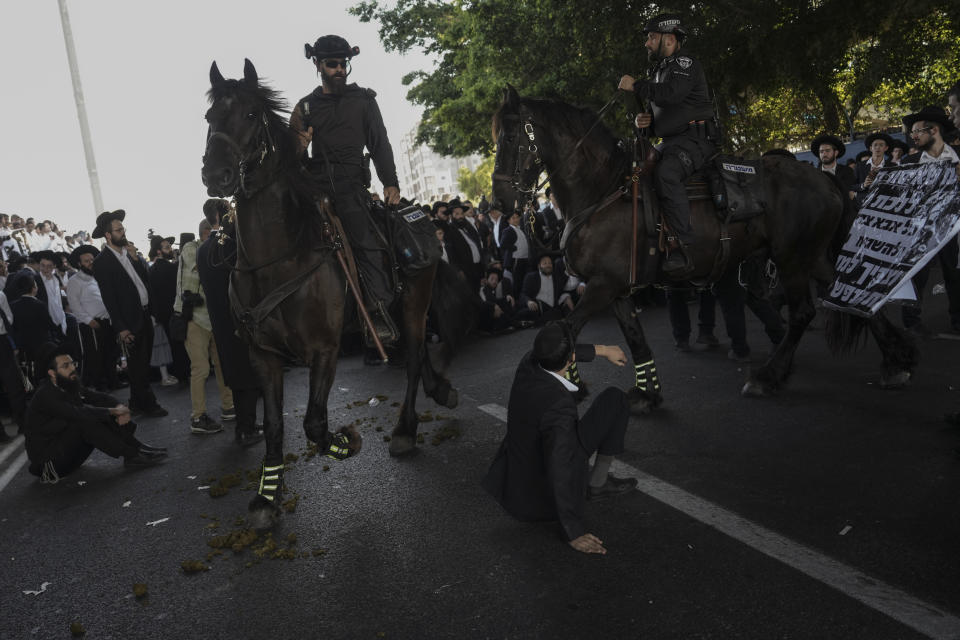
786	153
214	209
666	23
330	47
157	241
900	144
455	204
866	153
46	254
79	251
186	237
24	281
104	220
437	205
878	136
929	114
829	139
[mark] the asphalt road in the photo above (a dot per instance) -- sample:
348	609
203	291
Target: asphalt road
828	511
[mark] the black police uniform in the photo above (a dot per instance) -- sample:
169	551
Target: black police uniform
343	124
682	115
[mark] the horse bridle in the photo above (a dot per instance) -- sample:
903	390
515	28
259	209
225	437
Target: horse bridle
266	145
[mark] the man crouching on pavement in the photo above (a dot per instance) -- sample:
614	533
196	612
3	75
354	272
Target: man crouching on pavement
66	422
541	470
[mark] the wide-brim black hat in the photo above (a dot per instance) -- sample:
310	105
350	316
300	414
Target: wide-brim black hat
79	251
929	114
900	144
455	204
105	219
186	237
878	136
157	241
437	205
829	139
46	254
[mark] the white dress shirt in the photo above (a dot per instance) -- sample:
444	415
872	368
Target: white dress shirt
128	267
523	247
55	301
83	295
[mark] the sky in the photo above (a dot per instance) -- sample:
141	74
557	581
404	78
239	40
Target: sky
145	72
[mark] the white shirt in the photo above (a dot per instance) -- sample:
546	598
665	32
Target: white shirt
496	230
566	383
7	311
83	295
947	155
128	267
54	301
523	248
546	293
832	169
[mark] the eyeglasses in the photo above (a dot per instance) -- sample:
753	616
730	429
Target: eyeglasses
333	64
917	132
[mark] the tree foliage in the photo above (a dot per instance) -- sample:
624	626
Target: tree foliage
782	70
475	183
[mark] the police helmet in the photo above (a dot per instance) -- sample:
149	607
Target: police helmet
330	47
666	23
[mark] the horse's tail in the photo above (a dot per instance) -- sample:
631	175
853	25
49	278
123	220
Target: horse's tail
454	309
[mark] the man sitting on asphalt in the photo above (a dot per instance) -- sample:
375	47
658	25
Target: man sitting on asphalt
66	422
541	470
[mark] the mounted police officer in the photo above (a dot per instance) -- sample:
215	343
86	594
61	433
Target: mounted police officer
341	119
681	113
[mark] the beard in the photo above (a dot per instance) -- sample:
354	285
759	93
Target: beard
70	384
652	56
335	82
926	146
87	271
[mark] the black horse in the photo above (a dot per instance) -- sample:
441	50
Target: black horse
288	291
807	215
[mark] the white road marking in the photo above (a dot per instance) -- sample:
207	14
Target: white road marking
495	410
883	598
12	447
12	471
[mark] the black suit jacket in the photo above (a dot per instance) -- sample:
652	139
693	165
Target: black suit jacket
540	470
119	294
32	325
163	289
531	287
53	410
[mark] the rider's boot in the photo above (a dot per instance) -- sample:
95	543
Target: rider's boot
678	262
382	322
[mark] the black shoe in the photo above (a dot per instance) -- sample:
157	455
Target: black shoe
614	486
742	358
677	263
146	448
708	339
156	412
383	324
249	438
204	425
682	345
143	459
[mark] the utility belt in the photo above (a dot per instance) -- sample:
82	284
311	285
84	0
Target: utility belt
704	130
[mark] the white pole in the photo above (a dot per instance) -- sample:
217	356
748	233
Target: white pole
81	109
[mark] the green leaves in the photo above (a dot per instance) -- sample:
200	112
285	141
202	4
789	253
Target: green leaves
782	70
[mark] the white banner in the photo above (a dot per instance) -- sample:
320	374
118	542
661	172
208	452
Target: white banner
910	213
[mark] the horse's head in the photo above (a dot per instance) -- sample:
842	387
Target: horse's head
238	138
517	164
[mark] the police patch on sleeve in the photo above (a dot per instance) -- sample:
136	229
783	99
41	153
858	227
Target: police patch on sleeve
684	62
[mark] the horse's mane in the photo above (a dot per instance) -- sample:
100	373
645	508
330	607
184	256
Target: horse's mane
600	144
306	189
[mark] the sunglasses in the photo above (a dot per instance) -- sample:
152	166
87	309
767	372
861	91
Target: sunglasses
333	64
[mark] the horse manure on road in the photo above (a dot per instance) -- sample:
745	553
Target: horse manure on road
139	590
77	630
290	458
448	432
426	416
291	505
193	566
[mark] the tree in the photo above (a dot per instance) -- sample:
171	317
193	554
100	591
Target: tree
474	184
782	70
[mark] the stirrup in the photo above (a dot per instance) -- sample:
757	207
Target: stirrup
271	482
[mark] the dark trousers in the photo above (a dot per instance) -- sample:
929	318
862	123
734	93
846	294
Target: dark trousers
245	405
100	354
350	203
951	282
12	382
180	367
138	366
76	443
680	157
518	270
604	425
680	314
